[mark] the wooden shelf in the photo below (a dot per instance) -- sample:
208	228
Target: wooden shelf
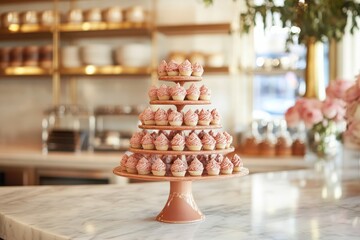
32	31
273	71
216	28
25	71
213	70
91	70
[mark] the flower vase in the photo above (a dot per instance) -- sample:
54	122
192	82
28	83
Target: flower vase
322	139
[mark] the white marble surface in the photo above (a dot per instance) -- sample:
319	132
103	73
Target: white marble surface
323	203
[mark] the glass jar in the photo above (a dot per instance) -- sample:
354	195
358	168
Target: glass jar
31	56
284	141
267	145
16	56
46	56
4	57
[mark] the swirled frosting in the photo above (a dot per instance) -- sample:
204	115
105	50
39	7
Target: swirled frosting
208	140
143	165
152	93
123	161
172	66
212	165
175	116
148	114
215	115
178	140
205	115
158	165
147	139
191	116
196	165
193	90
185	66
161	140
197	68
226	164
163	90
229	138
132	162
178	166
161	115
162	68
220	138
177	90
236	160
204	90
136	138
193	140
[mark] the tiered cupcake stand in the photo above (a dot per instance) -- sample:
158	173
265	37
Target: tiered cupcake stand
180	206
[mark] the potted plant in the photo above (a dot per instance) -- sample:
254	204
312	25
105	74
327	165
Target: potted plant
319	21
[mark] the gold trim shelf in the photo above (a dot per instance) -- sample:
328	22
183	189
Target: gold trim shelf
25	71
181	128
91	70
216	28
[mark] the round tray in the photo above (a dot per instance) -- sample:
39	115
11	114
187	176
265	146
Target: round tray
180	206
169	127
180	78
180	103
185	152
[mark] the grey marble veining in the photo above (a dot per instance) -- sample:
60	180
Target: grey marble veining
323	203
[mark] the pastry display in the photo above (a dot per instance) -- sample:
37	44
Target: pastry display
180	145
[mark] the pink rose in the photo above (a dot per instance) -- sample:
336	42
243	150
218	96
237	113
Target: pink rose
308	104
333	109
352	94
337	89
312	116
292	117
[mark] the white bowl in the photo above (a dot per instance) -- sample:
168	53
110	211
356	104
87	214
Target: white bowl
133	55
96	54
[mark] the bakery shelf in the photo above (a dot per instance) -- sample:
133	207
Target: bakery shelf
30	30
25	71
212	70
91	70
273	71
216	28
181	128
185	152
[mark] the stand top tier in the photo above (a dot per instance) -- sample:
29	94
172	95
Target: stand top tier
180	79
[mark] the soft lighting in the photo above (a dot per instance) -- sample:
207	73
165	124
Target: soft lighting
14	27
324	193
337	192
295	29
90	69
85	26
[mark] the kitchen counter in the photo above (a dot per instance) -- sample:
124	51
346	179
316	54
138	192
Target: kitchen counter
320	203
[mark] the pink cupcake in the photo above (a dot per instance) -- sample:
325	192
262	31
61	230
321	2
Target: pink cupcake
220	141
238	164
147	142
201	134
175	118
148	116
178	92
196	168
135	141
152	93
178	142
197	70
212	133
162	68
131	164
205	118
219	158
213	168
205	93
123	162
158	168
161	143
226	166
178	168
216	118
193	93
193	142
143	166
208	142
229	139
172	68
191	118
161	117
163	92
185	68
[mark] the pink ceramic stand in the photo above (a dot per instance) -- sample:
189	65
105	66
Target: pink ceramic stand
180	206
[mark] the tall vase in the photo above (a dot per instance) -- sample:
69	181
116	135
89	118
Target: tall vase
314	72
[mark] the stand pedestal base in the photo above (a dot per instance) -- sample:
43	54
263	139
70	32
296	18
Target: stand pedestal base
180	206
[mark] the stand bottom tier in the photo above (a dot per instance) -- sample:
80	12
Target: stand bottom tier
180	206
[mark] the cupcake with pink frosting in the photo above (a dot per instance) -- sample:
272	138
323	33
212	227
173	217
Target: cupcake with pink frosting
172	68
163	92
158	168
178	142
229	139
208	142
213	168
152	93
205	93
162	68
178	168
185	68
175	118
123	162
216	118
147	142
205	117
196	168
161	117
193	142
162	143
220	141
197	70
238	164
226	166
177	92
191	118
143	166
148	116
193	93
131	164
135	141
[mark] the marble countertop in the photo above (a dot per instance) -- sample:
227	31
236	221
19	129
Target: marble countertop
321	203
